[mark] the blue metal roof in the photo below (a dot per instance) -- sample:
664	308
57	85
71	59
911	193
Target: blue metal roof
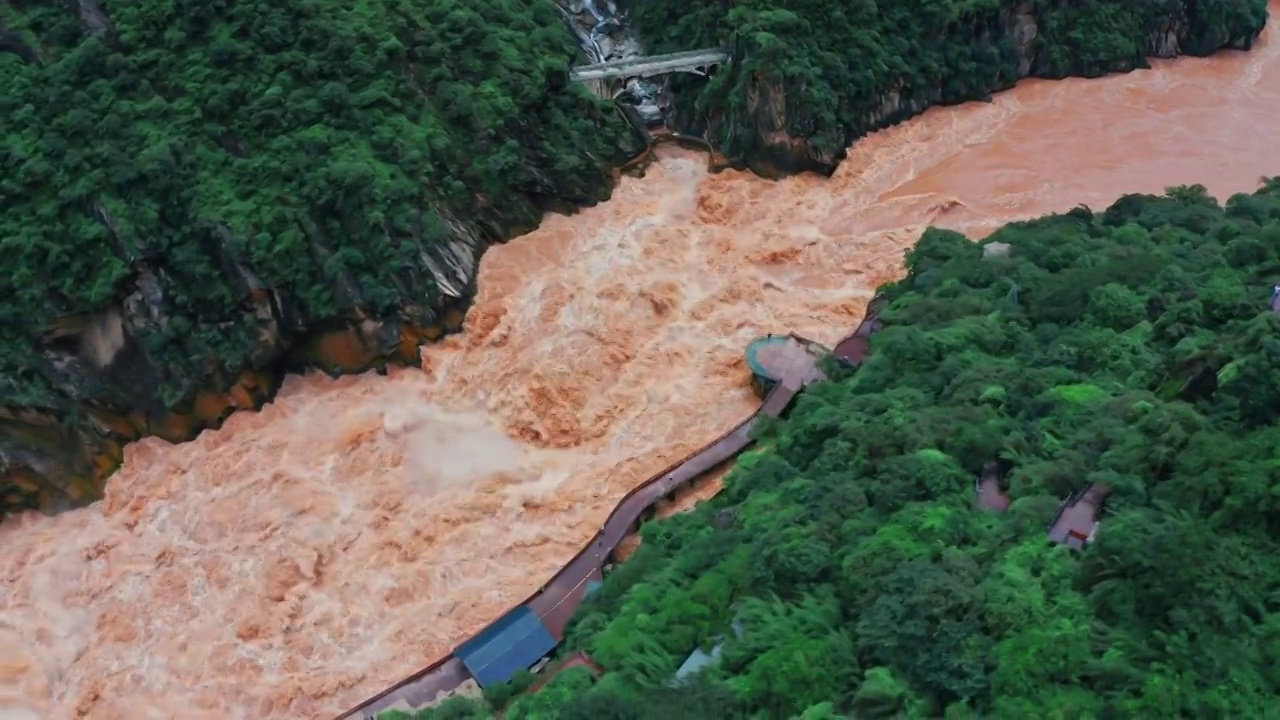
698	660
515	642
753	351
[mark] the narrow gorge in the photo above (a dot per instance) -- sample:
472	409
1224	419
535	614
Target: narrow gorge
300	557
296	214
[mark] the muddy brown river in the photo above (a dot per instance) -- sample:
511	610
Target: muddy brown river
305	556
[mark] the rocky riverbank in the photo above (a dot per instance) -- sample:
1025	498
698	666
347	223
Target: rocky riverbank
197	217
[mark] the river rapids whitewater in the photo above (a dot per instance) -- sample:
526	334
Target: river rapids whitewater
307	555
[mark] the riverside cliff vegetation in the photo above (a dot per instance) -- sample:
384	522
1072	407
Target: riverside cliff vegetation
193	187
201	195
846	572
810	76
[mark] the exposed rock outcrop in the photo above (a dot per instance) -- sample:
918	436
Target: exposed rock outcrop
117	376
148	355
605	35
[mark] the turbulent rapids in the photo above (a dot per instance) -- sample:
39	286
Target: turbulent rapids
303	557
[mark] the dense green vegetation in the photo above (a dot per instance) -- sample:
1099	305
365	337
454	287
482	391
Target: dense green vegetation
323	147
1134	347
832	70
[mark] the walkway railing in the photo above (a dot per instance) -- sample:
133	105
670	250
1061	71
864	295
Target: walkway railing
557	599
690	61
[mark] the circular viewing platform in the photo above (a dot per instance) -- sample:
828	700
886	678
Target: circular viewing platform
770	358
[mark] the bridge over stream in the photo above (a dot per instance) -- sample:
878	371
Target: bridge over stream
692	61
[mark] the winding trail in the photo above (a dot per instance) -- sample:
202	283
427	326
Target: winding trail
556	601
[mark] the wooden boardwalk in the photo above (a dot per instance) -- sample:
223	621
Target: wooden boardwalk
557	600
1077	518
795	363
854	347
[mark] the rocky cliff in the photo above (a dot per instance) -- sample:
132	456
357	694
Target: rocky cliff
205	197
811	76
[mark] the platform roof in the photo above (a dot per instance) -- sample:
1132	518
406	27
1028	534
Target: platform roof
757	363
515	642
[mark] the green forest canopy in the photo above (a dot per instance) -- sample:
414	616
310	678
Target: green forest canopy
321	145
1134	347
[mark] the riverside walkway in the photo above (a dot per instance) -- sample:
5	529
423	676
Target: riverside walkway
557	600
692	61
790	367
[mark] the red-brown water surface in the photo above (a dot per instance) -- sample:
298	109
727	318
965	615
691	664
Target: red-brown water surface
303	557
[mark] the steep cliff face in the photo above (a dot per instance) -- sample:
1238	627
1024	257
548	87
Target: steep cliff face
208	196
139	368
811	76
